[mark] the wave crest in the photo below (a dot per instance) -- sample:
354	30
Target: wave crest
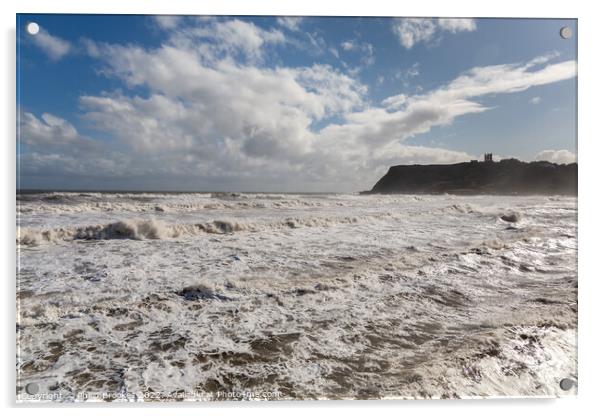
136	229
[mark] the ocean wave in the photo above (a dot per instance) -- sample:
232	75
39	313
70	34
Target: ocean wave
138	229
74	203
391	298
143	205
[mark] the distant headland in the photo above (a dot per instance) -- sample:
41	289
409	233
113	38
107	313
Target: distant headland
506	177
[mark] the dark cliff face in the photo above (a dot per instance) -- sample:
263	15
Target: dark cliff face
509	176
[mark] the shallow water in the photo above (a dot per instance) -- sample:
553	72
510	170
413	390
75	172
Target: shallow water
230	296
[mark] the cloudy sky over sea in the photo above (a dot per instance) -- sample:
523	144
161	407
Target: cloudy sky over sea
284	104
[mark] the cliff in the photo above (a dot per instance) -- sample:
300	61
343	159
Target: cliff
509	176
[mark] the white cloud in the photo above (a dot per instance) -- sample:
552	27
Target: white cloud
347	45
168	21
50	132
395	102
364	49
211	116
411	31
217	39
535	100
406	117
405	75
257	114
315	43
53	46
75	166
556	156
457	25
55	147
289	22
394	154
542	59
506	78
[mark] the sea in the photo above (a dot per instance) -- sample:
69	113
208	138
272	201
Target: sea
265	296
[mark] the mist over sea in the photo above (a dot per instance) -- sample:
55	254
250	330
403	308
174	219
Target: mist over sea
295	296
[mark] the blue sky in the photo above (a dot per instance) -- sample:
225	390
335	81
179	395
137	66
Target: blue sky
284	104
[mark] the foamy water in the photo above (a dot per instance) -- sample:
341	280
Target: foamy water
146	296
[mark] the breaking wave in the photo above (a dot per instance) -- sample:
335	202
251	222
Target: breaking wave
138	229
216	203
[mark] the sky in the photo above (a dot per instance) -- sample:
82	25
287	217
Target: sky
283	104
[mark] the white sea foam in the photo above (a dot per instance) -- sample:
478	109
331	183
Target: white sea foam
340	296
141	229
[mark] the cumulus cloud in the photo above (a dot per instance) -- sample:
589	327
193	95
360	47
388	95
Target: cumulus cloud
217	114
51	132
217	39
411	31
211	110
557	156
535	100
53	46
239	35
54	147
289	22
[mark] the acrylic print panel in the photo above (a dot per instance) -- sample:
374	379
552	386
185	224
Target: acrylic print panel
295	208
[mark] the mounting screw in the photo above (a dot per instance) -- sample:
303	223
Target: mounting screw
566	32
32	388
566	384
33	28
